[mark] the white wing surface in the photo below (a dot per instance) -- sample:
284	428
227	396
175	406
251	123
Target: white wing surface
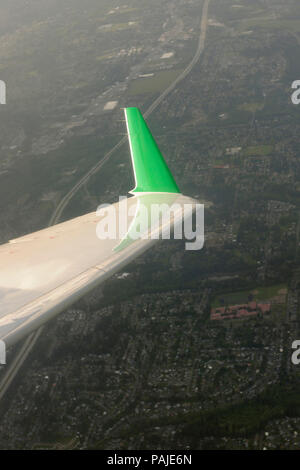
43	273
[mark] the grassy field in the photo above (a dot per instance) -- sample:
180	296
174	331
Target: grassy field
269	23
111	28
62	444
155	84
258	150
259	294
251	107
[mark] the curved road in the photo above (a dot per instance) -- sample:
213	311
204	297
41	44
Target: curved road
31	340
64	202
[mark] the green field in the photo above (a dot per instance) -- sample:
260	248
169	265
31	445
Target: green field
155	84
269	23
251	107
111	28
259	294
259	150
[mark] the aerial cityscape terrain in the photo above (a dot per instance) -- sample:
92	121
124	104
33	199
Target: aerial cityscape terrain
181	349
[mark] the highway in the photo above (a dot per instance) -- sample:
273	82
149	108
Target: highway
21	356
66	199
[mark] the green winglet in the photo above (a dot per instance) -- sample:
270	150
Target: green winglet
150	169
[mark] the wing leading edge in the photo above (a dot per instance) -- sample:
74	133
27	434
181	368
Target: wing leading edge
44	273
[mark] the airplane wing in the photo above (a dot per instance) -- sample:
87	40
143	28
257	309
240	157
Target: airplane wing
43	273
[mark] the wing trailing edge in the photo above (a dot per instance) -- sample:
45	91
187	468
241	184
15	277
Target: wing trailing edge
44	273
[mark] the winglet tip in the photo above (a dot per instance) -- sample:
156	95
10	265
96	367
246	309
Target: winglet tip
150	169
